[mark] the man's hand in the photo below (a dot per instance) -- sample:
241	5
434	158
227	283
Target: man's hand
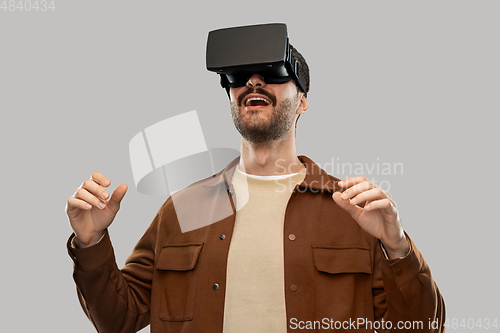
88	211
379	216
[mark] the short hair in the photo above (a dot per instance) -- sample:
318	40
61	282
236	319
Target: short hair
304	72
303	67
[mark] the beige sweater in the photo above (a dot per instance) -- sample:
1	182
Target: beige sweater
255	296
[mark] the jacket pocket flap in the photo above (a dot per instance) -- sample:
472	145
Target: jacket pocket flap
179	257
342	260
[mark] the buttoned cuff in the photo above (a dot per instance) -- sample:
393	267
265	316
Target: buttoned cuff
93	257
403	269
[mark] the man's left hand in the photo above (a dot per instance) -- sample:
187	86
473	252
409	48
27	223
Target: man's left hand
379	216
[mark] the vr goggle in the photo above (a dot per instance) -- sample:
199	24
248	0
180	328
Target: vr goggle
238	53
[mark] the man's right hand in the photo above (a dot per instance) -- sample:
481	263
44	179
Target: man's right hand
88	211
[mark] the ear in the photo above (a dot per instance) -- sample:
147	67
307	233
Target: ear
303	105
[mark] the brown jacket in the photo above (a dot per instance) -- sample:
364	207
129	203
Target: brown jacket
335	273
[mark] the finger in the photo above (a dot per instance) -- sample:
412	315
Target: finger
358	188
344	204
375	193
384	204
88	197
75	203
348	182
100	179
96	189
116	197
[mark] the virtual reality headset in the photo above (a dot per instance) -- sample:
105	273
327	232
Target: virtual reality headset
238	53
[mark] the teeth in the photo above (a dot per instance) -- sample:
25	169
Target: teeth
256	99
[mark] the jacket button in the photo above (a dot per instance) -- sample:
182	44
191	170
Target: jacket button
222	237
294	287
216	286
399	271
292	237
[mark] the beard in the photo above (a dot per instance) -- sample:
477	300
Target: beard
255	128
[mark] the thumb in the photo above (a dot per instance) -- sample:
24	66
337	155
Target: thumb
345	204
116	197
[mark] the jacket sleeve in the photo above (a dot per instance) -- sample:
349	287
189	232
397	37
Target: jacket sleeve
115	300
405	294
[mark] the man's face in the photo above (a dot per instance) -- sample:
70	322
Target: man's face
264	112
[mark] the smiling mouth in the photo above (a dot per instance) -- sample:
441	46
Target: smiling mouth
256	101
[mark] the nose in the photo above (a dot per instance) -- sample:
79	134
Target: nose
256	80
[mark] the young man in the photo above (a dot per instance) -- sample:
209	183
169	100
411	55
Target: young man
301	249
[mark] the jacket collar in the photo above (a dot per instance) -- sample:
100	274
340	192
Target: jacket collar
316	178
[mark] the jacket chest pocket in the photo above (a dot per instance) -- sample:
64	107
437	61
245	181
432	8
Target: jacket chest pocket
176	265
342	280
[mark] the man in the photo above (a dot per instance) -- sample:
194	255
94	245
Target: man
301	249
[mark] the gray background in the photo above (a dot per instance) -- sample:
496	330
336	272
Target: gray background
391	82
